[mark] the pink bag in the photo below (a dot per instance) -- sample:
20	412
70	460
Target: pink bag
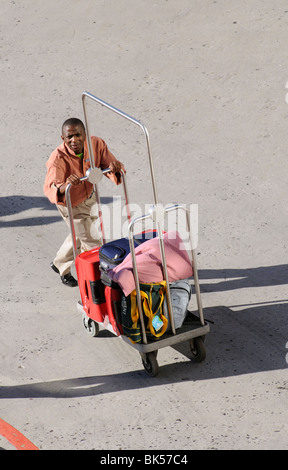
149	263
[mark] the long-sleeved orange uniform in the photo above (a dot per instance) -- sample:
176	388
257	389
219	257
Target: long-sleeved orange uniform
63	162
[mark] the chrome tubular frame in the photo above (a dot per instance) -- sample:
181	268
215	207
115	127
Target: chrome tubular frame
157	214
86	95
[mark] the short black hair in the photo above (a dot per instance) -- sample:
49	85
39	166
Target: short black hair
72	122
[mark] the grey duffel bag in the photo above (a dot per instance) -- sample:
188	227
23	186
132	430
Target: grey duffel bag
180	296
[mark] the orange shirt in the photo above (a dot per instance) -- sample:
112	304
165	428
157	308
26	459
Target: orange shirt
63	162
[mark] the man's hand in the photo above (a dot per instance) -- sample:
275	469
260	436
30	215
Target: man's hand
116	167
72	179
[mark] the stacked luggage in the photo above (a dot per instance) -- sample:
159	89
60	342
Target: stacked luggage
107	289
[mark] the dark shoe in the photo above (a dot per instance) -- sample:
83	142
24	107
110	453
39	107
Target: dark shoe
54	268
69	280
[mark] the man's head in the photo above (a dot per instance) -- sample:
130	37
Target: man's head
74	135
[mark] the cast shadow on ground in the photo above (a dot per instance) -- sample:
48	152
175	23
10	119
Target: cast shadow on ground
12	206
249	341
228	279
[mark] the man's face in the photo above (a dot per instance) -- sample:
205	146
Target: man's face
74	137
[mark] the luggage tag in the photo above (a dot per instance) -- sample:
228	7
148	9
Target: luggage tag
157	323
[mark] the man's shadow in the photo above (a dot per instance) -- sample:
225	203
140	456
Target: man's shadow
11	206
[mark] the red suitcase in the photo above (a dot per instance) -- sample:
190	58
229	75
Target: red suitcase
100	303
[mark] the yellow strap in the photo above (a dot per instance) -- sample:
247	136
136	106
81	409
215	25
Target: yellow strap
134	309
147	308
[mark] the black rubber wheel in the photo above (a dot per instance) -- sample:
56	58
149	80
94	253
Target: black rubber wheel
150	364
198	349
91	327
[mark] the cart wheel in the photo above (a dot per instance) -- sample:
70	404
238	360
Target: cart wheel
91	327
198	349
150	364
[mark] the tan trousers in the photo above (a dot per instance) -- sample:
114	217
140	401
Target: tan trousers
82	222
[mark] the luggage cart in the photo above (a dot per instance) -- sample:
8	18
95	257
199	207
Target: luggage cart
105	312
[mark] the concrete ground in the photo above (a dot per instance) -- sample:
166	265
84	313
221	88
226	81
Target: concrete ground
208	79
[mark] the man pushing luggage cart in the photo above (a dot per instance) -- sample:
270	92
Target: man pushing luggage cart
67	165
101	300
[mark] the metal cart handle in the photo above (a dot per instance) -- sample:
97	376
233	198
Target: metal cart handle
157	213
86	95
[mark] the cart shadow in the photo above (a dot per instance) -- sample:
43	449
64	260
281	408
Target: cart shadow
243	342
229	279
254	339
